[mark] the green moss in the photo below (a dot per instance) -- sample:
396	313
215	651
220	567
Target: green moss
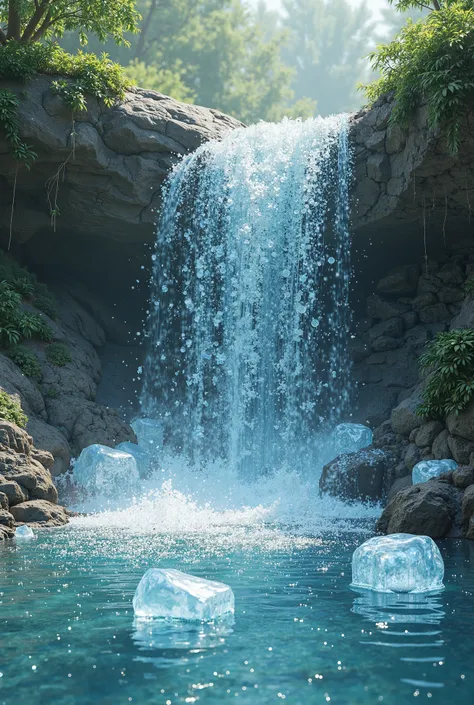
10	410
58	354
26	360
449	364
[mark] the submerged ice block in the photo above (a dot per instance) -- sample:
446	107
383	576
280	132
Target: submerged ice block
106	471
173	594
427	469
149	433
141	457
398	563
24	533
350	437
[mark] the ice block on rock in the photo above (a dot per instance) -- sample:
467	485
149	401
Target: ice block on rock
24	533
398	563
141	457
427	469
173	594
350	437
149	433
106	471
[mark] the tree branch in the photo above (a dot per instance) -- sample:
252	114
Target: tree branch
36	18
436	4
41	31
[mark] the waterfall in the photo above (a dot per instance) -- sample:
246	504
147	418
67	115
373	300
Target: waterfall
249	318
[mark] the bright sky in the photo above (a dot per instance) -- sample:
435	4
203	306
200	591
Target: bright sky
375	4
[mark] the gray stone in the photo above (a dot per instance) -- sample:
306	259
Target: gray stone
450	296
404	417
463	477
428	284
378	167
384	343
358	349
356	476
465	318
50	439
451	273
399	484
423	300
395	140
410	319
462	424
377	307
40	512
434	314
427	509
427	434
6	519
412	456
461	449
3	501
440	448
400	281
392	328
15	493
467	508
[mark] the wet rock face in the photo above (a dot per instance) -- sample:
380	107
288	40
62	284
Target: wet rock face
122	155
356	476
27	491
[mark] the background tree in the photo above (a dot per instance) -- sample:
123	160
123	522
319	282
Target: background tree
33	20
327	42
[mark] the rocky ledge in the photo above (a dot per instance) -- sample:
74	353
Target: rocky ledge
27	492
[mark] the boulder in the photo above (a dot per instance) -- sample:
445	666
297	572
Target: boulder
461	449
40	511
3	501
404	417
423	300
377	307
400	281
426	509
412	456
356	476
465	317
50	439
16	494
463	477
6	533
392	328
400	484
467	508
462	424
440	448
384	343
427	433
434	314
6	519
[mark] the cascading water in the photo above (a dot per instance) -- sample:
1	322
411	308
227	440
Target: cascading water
249	317
247	366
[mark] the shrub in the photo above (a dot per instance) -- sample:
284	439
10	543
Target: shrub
449	364
432	60
10	410
26	361
17	324
58	354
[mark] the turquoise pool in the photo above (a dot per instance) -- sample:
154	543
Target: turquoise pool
301	635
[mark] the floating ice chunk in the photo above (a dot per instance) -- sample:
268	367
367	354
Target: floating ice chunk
106	471
24	533
149	433
427	469
141	457
171	593
398	563
350	437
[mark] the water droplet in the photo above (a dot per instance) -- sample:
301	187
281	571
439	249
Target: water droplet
331	260
314	322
